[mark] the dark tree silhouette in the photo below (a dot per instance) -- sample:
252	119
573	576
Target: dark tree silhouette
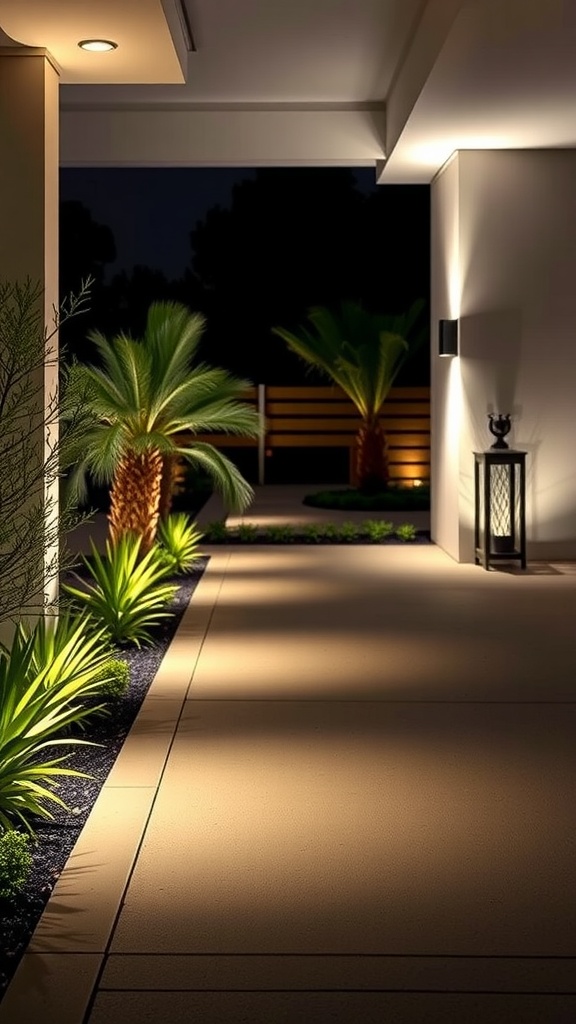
85	248
293	239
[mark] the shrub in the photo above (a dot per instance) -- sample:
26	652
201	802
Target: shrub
378	529
400	499
178	539
127	595
348	531
406	531
314	532
247	532
114	678
279	533
15	862
216	531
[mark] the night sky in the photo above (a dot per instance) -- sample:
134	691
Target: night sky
152	210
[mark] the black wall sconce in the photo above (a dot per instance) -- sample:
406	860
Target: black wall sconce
448	338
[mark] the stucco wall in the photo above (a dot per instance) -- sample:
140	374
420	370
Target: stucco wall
516	268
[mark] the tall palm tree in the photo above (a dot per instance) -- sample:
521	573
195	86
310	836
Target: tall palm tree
361	352
147	394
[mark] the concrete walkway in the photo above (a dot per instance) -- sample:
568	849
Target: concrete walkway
348	797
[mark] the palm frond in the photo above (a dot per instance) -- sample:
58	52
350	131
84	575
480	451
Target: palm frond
171	338
235	490
359	351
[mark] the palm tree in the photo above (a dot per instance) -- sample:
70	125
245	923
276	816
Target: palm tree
361	352
147	394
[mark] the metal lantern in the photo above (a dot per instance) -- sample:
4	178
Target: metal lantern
500	500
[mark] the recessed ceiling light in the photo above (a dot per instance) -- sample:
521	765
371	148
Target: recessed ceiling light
97	45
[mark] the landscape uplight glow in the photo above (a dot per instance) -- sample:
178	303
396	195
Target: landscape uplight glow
97	45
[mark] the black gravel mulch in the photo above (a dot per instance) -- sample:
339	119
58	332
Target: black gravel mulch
56	839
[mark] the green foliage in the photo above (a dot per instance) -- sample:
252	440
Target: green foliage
15	862
247	532
114	678
32	714
400	499
216	531
377	529
314	532
361	352
406	531
372	530
178	539
126	594
29	414
68	648
279	533
147	394
348	532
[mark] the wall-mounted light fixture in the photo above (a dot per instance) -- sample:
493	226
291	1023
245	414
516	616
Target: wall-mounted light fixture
448	338
97	45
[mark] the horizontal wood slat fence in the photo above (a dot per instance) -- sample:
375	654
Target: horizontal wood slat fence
322	417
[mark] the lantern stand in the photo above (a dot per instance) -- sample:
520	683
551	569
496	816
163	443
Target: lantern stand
500	506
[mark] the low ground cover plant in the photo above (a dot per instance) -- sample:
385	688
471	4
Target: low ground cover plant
15	862
389	499
372	531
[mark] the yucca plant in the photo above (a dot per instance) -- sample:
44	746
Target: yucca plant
146	398
32	715
126	594
178	540
68	647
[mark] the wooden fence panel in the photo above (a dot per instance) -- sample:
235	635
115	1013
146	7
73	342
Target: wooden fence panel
324	417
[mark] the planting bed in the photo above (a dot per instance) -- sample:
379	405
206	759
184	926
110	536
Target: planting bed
55	839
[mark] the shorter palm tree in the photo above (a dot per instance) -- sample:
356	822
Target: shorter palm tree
362	353
144	399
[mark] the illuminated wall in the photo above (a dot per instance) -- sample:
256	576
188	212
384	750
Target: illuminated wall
504	258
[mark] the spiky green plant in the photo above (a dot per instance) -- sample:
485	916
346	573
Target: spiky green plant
126	594
362	353
32	715
178	539
145	397
69	647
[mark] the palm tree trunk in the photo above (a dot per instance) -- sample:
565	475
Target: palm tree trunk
173	477
135	497
372	472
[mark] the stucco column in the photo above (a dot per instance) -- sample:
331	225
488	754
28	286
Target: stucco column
29	161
